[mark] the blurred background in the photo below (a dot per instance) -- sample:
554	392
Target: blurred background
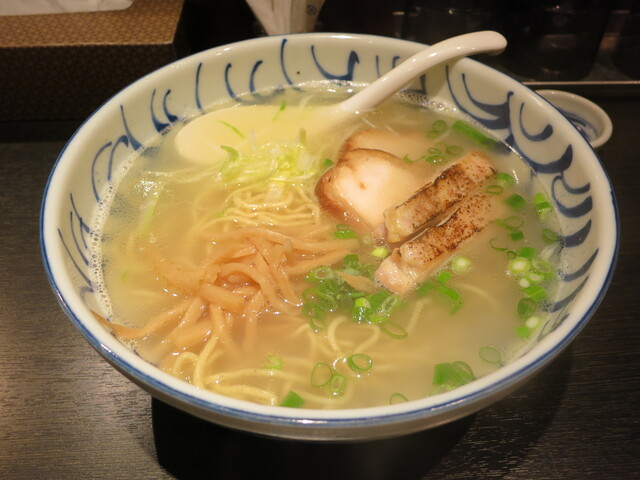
65	65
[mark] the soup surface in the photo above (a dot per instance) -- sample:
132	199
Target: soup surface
231	275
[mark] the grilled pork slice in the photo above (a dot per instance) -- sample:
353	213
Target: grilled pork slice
416	259
411	143
435	199
362	185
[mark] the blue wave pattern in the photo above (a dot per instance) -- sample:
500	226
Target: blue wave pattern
496	117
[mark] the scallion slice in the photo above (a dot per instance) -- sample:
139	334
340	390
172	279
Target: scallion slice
380	252
549	236
273	362
454	150
437	158
337	384
360	362
526	308
491	355
515	201
474	134
396	398
523	332
494	190
443	277
516	235
321	374
504	179
393	330
495	247
460	264
292	400
519	266
536	293
344	232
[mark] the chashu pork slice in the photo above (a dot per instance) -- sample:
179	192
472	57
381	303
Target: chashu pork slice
411	143
434	200
362	185
416	259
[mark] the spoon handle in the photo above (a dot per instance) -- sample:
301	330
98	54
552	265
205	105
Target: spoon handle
392	82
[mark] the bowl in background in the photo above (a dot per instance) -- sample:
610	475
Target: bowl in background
556	152
589	118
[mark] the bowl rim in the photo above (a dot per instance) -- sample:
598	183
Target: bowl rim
471	394
593	109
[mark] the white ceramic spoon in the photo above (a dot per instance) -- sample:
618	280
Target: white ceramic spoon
200	140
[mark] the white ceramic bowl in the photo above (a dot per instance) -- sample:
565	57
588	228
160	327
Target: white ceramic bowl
559	155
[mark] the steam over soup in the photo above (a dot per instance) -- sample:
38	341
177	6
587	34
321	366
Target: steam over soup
408	256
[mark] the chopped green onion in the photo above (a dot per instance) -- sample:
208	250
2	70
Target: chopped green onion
542	208
234	129
511	223
474	134
517	235
504	179
396	398
541	204
328	163
460	264
393	330
409	160
491	355
283	105
360	362
532	322
519	266
274	362
321	374
292	400
523	331
536	293
437	158
454	150
443	277
425	288
377	318
535	277
360	314
464	370
344	232
380	252
439	126
452	374
526	308
317	324
434	150
541	266
549	236
524	282
526	252
337	384
319	274
440	389
388	305
515	201
454	297
494	190
363	302
499	249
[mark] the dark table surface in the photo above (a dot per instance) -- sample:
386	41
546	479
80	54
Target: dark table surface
66	414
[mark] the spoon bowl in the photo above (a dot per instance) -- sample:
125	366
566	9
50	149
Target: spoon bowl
205	139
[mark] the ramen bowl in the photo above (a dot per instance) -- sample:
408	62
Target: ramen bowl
557	153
